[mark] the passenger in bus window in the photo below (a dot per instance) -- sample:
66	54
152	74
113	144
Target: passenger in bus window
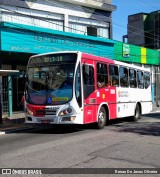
114	83
110	81
100	82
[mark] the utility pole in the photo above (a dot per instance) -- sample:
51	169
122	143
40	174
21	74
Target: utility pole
157	79
0	99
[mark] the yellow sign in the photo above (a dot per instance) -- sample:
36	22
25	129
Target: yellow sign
60	99
143	55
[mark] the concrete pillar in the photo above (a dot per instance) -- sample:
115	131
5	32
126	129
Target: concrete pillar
10	95
0	99
66	23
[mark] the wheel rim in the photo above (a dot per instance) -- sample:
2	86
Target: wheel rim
101	117
137	112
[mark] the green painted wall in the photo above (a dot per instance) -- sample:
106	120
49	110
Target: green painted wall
136	54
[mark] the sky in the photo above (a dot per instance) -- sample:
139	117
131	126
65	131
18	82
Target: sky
126	8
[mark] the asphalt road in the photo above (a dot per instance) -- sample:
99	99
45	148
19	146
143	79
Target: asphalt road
122	144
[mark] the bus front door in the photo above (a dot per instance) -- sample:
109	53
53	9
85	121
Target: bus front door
88	88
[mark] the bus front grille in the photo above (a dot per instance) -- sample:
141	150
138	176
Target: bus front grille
50	112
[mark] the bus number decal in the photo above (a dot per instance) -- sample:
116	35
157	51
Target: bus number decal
123	94
98	95
112	91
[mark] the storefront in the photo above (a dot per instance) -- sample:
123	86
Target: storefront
13	83
145	57
19	42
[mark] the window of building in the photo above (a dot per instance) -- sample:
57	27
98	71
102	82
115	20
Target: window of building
88	26
92	31
103	32
34	18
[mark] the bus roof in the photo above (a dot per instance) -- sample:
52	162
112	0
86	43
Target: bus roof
96	58
43	54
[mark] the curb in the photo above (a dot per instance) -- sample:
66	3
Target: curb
14	130
158	111
2	133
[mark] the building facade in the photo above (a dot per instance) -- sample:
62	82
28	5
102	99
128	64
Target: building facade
30	27
144	30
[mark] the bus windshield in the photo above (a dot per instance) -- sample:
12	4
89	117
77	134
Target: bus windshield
50	79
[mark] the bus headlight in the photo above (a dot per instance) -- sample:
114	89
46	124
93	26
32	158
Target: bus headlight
65	111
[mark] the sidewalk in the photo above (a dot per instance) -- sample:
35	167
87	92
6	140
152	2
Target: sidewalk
15	122
155	108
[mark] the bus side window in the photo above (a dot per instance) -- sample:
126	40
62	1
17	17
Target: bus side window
146	80
114	75
102	75
123	76
132	78
88	75
140	79
88	80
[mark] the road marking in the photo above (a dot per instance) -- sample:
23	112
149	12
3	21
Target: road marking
154	112
2	133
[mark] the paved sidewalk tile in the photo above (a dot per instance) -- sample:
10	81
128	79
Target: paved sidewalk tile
15	122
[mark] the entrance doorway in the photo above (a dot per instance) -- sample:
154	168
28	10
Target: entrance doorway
18	83
5	105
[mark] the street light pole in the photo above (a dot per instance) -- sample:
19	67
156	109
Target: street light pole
157	84
0	99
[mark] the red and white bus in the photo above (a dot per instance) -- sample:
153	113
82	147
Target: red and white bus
72	87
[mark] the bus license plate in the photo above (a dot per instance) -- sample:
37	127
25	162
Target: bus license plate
45	121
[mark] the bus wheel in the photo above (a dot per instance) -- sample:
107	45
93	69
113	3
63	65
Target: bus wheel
101	118
137	113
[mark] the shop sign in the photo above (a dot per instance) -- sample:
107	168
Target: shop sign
29	41
126	51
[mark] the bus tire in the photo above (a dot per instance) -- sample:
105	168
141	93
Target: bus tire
137	113
100	124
